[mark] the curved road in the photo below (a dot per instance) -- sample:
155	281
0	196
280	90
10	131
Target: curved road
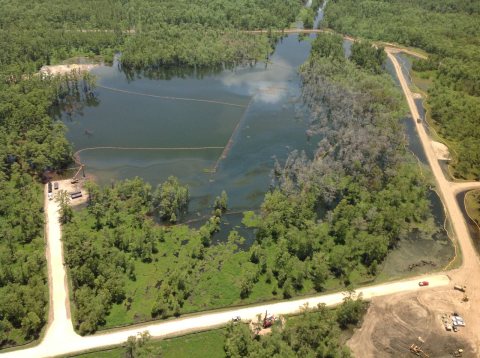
60	337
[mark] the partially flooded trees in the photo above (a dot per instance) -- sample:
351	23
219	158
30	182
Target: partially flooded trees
170	199
339	214
221	202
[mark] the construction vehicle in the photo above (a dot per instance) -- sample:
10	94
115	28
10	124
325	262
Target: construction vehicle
458	352
236	319
75	177
268	321
460	288
418	351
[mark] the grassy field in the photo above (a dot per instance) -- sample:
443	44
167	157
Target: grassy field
218	285
204	344
217	281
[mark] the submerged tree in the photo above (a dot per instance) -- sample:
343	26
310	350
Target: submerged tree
221	202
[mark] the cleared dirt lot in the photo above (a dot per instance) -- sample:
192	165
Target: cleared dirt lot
394	323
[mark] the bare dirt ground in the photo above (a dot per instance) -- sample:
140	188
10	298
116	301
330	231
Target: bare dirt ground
67	69
441	150
393	323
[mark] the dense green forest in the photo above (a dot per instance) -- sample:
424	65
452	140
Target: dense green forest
33	34
30	144
147	32
126	268
449	31
326	223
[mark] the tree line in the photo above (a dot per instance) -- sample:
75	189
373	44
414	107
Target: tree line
148	33
448	31
316	332
32	142
327	222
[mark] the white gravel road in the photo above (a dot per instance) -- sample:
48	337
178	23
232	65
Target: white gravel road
60	337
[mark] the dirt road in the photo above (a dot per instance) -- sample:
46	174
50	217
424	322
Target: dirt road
59	313
57	342
388	330
61	339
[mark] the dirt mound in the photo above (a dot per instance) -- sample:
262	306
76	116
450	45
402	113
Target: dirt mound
393	324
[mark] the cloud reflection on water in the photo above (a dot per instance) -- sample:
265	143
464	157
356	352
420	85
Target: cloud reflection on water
268	85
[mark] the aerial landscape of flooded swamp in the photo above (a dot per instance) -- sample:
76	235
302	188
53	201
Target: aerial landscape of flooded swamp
220	129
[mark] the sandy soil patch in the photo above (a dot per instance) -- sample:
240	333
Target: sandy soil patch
441	151
67	69
393	324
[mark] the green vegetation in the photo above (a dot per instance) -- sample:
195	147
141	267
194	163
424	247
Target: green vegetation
449	31
148	33
23	290
125	268
472	204
199	345
170	200
31	143
315	332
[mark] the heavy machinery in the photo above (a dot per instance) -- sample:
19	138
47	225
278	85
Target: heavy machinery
418	351
75	177
268	321
460	288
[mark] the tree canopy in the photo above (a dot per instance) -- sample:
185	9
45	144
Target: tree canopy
449	32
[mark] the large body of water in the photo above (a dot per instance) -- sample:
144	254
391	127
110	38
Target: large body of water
258	116
255	111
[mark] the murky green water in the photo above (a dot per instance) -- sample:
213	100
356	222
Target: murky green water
265	125
259	115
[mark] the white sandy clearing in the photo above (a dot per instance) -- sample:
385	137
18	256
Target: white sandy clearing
441	150
67	69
